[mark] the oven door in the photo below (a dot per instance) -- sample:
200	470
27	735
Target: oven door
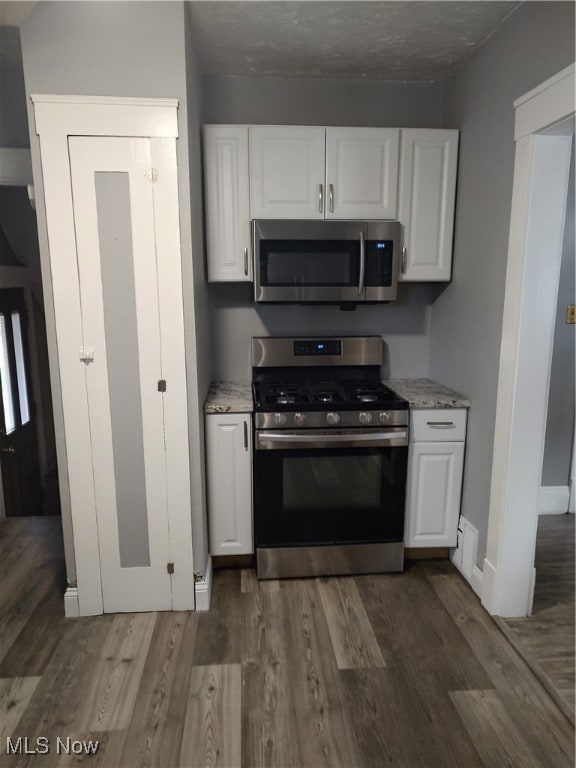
325	488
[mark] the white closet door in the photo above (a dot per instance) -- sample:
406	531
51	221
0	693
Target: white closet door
112	187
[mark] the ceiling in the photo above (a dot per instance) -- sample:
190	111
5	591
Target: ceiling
405	41
402	41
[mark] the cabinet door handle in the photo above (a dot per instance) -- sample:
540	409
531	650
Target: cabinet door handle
320	198
440	423
245	435
403	259
331	197
246	261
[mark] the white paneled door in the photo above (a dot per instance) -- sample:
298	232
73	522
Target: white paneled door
114	220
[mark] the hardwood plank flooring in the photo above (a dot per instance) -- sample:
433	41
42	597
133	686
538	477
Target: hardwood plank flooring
547	638
400	670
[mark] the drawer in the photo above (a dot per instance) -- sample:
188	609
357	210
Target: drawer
437	425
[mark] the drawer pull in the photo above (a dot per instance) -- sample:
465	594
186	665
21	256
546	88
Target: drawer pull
440	423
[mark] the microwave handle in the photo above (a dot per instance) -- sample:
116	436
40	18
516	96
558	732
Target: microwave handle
362	264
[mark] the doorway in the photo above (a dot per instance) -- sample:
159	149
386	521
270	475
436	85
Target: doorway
534	254
20	472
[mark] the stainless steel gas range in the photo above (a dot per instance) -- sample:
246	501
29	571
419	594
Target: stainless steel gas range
331	449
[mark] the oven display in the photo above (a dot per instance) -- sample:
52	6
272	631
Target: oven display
317	347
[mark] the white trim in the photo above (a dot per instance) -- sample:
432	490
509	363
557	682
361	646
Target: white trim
545	105
203	588
489	579
15	167
56	119
532	587
533	265
71	604
120	101
476	580
572	486
552	81
553	499
105	116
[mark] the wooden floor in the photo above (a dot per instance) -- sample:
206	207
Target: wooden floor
395	670
547	637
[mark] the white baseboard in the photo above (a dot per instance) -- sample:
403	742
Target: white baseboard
71	603
476	580
553	499
203	589
489	587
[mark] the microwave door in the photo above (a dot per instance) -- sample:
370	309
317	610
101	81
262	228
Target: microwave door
308	261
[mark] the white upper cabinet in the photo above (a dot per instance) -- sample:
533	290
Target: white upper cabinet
315	173
428	164
308	172
362	173
286	172
227	202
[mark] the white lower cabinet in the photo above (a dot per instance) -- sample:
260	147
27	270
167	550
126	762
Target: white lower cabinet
229	471
434	484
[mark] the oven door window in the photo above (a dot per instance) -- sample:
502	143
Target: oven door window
309	263
327	497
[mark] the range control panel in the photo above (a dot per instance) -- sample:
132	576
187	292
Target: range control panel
317	347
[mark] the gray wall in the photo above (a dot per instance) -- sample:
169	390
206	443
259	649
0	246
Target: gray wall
321	101
404	326
560	420
13	117
198	346
299	101
466	322
111	49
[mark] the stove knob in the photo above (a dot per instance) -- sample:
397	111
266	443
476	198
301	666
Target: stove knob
384	418
300	419
279	419
365	417
332	419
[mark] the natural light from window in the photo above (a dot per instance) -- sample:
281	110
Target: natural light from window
9	416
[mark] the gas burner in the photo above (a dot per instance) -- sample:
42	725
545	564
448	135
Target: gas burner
325	397
285	399
367	397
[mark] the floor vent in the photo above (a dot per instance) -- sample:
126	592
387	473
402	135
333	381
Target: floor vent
464	555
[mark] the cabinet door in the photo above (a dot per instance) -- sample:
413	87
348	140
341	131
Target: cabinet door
433	494
227	202
362	173
428	163
229	469
287	172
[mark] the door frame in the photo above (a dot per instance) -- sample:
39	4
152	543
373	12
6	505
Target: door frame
533	267
58	117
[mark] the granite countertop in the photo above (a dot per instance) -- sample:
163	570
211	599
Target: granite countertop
236	396
229	397
425	393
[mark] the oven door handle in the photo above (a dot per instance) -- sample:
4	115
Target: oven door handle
268	440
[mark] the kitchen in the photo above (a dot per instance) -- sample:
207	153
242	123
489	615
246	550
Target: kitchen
450	333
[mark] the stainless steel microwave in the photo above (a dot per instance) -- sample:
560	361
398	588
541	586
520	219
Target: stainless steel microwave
325	262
